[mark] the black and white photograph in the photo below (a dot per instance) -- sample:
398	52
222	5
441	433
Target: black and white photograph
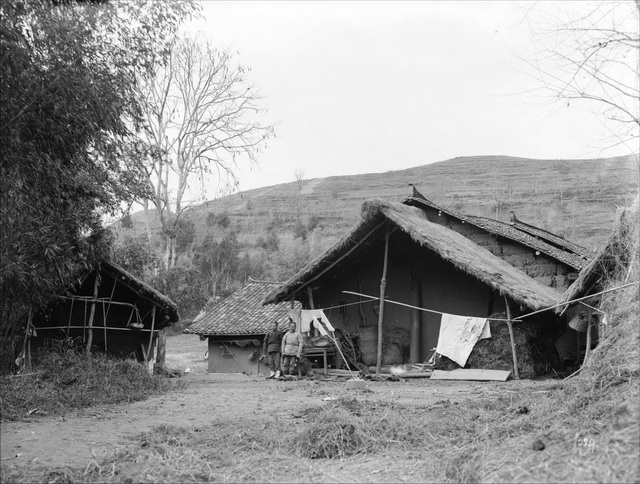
325	241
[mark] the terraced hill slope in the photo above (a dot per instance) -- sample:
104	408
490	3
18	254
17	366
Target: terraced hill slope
573	198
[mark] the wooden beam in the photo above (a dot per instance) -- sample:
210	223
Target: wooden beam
383	285
513	341
470	374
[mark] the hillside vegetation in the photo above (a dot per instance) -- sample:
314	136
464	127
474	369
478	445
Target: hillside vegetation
573	198
270	233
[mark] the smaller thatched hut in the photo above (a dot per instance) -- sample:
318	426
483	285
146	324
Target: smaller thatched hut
236	326
110	310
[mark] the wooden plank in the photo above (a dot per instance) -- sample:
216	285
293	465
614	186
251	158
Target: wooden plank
471	374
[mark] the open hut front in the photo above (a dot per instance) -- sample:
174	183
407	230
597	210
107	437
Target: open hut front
430	269
583	311
110	311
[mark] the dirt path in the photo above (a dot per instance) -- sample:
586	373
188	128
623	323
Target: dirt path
95	433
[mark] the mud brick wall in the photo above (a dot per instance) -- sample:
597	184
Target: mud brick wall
543	268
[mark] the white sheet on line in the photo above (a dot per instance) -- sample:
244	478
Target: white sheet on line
459	334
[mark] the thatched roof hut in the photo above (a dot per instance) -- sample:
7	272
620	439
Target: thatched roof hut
109	309
448	244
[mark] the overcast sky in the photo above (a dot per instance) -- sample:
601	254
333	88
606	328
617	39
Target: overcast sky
360	87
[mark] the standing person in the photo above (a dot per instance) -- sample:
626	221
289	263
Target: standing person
271	346
292	344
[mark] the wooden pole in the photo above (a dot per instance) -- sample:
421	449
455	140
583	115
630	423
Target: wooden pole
27	355
148	357
310	294
92	313
587	350
383	285
414	348
516	374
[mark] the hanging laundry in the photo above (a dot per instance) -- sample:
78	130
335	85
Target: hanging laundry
304	317
459	334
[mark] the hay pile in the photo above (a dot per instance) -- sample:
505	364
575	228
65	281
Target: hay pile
349	428
534	345
612	373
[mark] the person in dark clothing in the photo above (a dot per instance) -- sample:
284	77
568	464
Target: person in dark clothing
271	347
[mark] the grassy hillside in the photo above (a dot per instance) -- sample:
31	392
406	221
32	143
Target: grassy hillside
574	198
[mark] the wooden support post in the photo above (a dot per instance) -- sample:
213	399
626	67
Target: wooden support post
383	285
310	294
516	374
162	349
27	356
92	313
416	299
147	357
587	350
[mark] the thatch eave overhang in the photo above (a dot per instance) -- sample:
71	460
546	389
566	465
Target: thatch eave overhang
144	291
464	254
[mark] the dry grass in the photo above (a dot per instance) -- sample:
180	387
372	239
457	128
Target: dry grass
65	379
511	434
534	345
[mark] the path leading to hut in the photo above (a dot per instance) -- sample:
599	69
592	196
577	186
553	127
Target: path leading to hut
97	432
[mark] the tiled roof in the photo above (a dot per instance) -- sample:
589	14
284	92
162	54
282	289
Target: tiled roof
553	239
242	313
509	231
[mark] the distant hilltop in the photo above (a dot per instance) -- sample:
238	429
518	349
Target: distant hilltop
576	199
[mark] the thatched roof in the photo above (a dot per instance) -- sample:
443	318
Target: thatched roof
143	290
613	253
448	244
242	313
534	237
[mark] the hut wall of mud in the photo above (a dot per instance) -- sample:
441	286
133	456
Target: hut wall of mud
544	269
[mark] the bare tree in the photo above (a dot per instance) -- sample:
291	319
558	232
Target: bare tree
590	53
300	175
201	121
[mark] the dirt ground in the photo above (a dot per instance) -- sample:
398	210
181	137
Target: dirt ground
97	432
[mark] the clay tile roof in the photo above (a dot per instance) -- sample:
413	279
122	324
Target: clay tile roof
242	313
571	254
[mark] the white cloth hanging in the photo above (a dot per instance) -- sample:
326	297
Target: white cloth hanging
459	334
304	317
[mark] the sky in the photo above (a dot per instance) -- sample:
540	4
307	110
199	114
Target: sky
360	87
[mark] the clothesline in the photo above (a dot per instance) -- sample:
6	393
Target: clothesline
414	307
518	319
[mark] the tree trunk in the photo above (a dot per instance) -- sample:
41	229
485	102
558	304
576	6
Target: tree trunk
145	206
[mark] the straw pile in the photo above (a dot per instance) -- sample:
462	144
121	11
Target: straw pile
615	363
534	345
349	428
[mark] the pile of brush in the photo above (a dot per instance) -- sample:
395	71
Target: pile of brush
534	346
